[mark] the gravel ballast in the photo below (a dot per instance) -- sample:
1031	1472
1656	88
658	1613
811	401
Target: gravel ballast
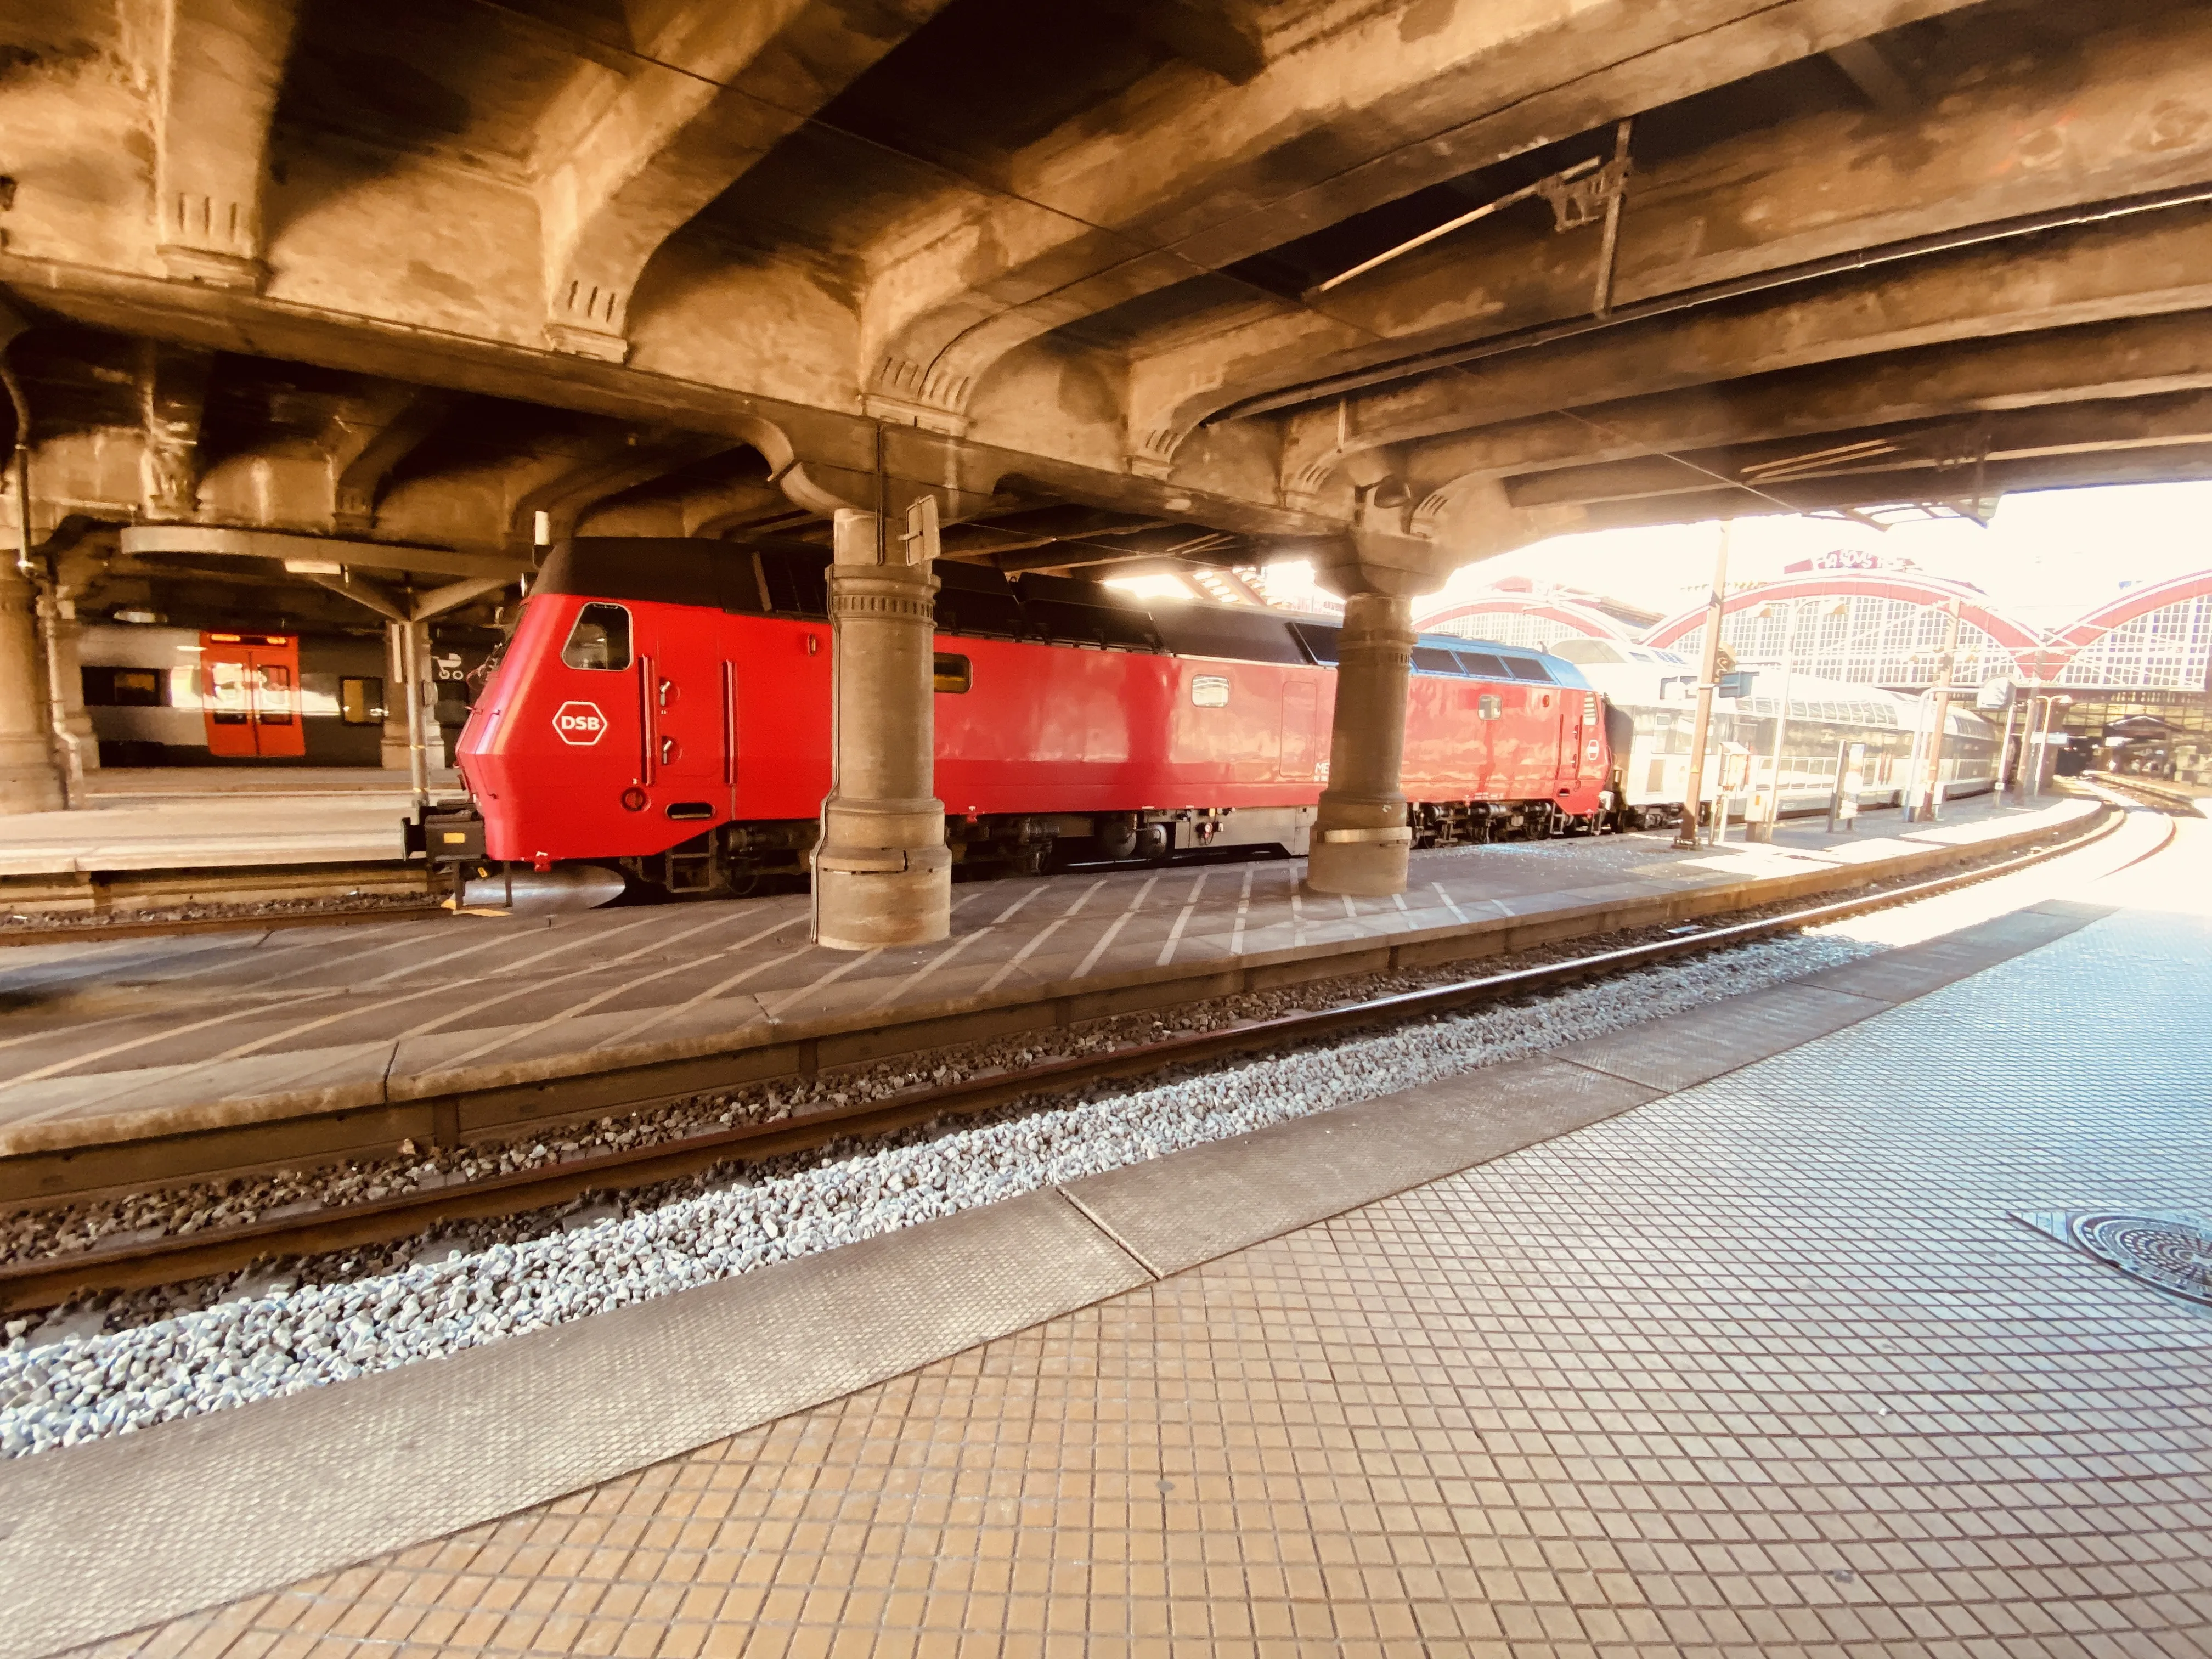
299	1335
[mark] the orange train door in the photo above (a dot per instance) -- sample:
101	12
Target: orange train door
250	696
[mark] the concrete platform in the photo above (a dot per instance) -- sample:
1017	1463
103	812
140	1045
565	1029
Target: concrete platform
1756	1365
215	817
319	1041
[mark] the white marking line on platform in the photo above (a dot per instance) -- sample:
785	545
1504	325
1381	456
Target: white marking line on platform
1007	915
174	1031
611	992
659	1016
899	987
827	980
1175	933
1040	936
1458	914
1120	922
535	986
1298	920
737	979
1351	910
1399	899
1243	909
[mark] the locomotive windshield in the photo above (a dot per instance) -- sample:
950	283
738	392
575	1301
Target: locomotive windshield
600	638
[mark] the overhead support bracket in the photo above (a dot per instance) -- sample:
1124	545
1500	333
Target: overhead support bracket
402	605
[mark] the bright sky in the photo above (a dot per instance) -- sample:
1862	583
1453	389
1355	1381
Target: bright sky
2046	558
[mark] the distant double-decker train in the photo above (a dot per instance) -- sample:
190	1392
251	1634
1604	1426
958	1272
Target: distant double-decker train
1650	698
663	709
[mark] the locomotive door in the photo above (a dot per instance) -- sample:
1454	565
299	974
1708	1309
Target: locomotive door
250	696
687	695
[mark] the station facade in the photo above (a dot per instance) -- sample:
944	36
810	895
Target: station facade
2138	669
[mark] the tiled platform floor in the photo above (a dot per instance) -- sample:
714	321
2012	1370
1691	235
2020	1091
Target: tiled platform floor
132	1032
1761	1369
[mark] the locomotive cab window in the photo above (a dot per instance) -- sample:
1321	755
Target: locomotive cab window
600	638
951	673
1489	706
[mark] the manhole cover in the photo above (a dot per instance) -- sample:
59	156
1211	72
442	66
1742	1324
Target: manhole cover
2161	1247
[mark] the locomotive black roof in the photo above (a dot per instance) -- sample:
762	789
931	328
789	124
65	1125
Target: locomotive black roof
792	581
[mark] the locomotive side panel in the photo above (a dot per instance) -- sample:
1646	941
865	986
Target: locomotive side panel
1449	739
1045	729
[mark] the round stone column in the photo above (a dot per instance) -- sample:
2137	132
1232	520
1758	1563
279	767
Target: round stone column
1360	838
883	875
29	782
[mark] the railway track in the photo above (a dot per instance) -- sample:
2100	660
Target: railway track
97	933
48	1282
2165	798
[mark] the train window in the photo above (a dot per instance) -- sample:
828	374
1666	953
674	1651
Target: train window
797	580
361	700
1320	639
1482	665
228	693
124	687
272	699
600	638
1489	706
1427	659
1198	630
1524	668
1210	691
951	673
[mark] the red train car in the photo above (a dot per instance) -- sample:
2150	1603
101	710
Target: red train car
663	707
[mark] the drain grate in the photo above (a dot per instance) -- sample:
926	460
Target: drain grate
2162	1248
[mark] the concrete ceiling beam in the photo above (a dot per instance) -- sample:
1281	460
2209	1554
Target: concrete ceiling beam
567	485
2034	136
1879	82
367	442
713	88
2147	423
2153	264
2131	357
1371	106
221	65
1967	485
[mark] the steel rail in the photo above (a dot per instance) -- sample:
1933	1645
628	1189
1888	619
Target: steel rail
48	1281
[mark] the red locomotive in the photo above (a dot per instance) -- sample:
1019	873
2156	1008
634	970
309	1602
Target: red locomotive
663	707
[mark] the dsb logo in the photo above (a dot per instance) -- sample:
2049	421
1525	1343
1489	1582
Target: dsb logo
579	724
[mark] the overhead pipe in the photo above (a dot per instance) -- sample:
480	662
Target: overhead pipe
1915	247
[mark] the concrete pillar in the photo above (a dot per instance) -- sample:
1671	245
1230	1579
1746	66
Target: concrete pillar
69	672
883	875
1360	838
396	751
29	780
